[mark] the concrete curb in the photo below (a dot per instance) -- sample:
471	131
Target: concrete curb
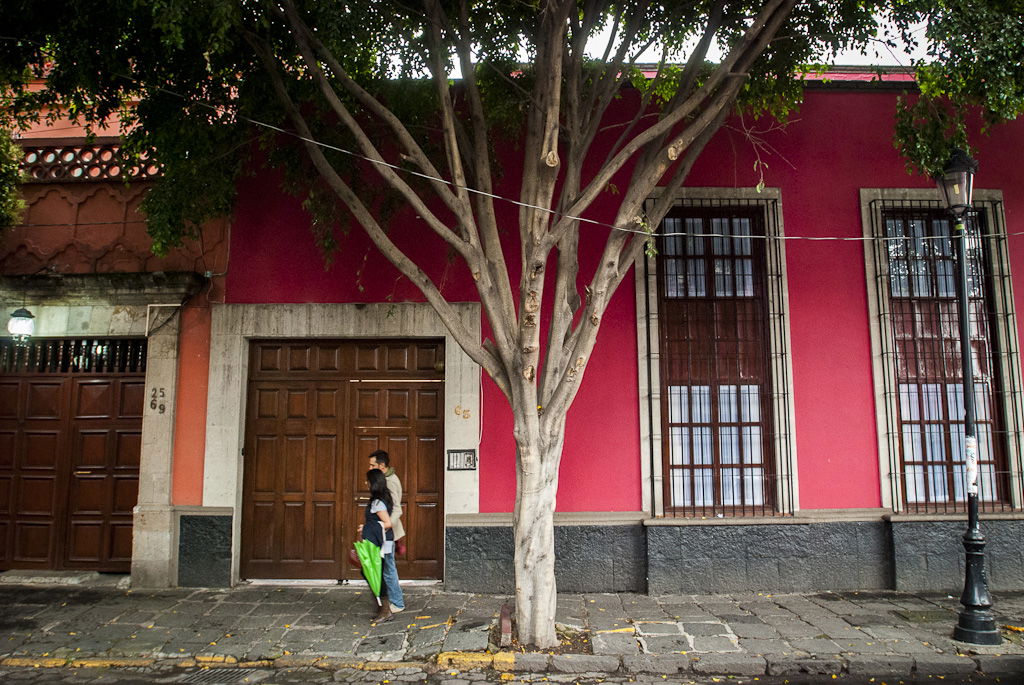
730	664
706	665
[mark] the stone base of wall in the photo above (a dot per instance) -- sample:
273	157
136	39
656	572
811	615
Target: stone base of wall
929	555
204	551
779	557
910	555
609	558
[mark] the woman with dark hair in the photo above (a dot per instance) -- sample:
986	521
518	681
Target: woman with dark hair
377	529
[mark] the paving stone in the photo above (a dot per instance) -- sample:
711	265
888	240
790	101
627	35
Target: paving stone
657	628
864	646
715	643
690	612
1010	664
467	641
382	647
705	628
753	645
337	647
602	622
880	664
656	663
582	663
794	628
865	620
944	664
432	634
887	633
786	665
730	664
614	643
761	630
665	645
733	619
816	646
908	647
530	661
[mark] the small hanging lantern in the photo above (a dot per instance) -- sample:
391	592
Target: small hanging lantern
21	326
956	183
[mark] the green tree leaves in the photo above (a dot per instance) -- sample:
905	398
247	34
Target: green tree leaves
970	79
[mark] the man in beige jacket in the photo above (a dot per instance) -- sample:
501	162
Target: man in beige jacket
382	461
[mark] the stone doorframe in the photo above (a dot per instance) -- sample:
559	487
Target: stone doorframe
233	325
121	306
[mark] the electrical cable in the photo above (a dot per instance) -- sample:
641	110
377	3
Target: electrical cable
223	111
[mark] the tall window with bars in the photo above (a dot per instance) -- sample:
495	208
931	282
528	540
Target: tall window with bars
714	369
927	362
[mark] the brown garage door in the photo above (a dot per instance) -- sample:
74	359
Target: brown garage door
316	409
70	440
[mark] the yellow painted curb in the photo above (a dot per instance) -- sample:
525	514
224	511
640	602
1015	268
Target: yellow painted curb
111	663
292	661
38	662
464	661
216	659
382	665
261	663
504	661
336	663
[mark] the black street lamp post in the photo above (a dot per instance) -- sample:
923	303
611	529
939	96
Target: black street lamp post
976	624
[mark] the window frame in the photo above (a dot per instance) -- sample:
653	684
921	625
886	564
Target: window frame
875	202
784	486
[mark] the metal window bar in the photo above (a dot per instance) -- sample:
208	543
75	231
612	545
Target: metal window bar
920	358
74	356
723	457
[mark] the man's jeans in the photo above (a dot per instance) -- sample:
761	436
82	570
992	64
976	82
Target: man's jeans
389	576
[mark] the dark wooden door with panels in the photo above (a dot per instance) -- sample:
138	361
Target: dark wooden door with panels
70	443
315	411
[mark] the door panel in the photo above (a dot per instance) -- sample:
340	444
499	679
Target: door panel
316	410
290	513
104	476
70	443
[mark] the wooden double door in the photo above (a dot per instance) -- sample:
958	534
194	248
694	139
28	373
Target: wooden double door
315	411
70	443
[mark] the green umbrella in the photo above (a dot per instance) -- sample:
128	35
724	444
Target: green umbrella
369	557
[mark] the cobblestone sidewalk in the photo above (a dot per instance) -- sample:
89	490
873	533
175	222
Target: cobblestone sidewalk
876	634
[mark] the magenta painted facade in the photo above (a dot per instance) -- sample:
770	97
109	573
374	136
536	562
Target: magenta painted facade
838	142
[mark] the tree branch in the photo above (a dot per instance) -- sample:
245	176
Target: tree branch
373	105
468	251
449	317
671	119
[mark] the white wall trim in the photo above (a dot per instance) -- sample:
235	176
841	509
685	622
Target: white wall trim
233	325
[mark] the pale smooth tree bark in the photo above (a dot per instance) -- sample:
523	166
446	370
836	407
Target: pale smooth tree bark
536	364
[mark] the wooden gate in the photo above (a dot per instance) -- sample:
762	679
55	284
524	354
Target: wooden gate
70	441
316	409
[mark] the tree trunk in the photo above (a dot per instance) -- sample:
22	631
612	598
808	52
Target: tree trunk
533	529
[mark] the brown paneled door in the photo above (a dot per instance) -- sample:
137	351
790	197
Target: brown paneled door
315	411
70	441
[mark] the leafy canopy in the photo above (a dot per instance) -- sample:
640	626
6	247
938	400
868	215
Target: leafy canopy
970	79
185	79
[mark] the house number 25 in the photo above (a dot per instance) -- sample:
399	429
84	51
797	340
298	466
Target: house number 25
156	400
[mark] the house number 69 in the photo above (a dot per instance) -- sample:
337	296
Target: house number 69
156	400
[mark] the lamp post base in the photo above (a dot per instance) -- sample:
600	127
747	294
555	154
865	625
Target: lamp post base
977	627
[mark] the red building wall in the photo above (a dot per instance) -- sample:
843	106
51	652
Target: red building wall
838	143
